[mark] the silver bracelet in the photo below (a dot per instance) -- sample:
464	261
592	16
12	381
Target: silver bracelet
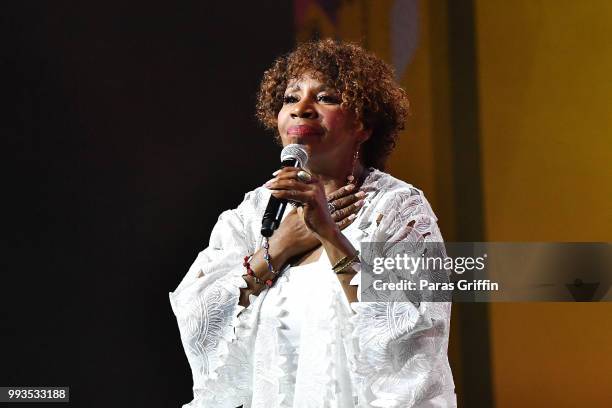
267	258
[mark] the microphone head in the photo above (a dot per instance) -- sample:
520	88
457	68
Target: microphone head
296	152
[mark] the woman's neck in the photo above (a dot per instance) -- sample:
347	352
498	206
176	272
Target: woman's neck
333	180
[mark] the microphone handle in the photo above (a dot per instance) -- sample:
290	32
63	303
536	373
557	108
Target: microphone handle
276	207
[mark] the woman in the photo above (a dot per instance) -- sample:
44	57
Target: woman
279	323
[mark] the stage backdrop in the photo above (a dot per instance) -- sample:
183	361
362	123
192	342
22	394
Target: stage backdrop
509	136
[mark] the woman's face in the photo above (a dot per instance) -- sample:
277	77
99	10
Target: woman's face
311	115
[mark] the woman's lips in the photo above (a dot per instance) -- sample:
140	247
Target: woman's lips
302	130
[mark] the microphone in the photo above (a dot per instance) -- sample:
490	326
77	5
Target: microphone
292	155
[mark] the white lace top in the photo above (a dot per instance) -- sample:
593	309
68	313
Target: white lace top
300	343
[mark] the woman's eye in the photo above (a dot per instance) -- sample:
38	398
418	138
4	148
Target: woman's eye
327	99
289	99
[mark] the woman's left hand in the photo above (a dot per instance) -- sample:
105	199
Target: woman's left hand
311	194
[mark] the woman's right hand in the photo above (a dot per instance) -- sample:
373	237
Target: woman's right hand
293	236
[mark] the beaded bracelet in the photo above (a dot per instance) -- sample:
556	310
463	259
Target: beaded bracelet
344	263
250	272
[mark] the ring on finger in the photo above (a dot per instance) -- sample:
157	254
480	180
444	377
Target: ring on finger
331	207
304	176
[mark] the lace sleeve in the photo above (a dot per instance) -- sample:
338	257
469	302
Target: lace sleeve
206	308
400	352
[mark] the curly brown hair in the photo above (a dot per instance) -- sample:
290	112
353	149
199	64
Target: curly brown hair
365	82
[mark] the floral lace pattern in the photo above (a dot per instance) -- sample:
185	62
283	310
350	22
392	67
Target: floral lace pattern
364	354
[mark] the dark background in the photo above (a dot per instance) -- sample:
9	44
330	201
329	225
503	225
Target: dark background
129	127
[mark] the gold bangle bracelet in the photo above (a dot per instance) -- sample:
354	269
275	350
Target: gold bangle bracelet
343	263
345	270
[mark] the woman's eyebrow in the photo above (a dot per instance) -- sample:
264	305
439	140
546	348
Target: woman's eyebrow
322	87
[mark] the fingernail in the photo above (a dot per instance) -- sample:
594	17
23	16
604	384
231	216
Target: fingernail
360	194
359	203
349	187
276	172
352	217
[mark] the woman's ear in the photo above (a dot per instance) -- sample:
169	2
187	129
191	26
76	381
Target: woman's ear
363	133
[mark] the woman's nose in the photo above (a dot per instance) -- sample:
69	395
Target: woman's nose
303	109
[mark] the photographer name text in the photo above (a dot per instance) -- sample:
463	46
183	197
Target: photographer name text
424	284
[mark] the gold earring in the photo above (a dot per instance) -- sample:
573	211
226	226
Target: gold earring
350	179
